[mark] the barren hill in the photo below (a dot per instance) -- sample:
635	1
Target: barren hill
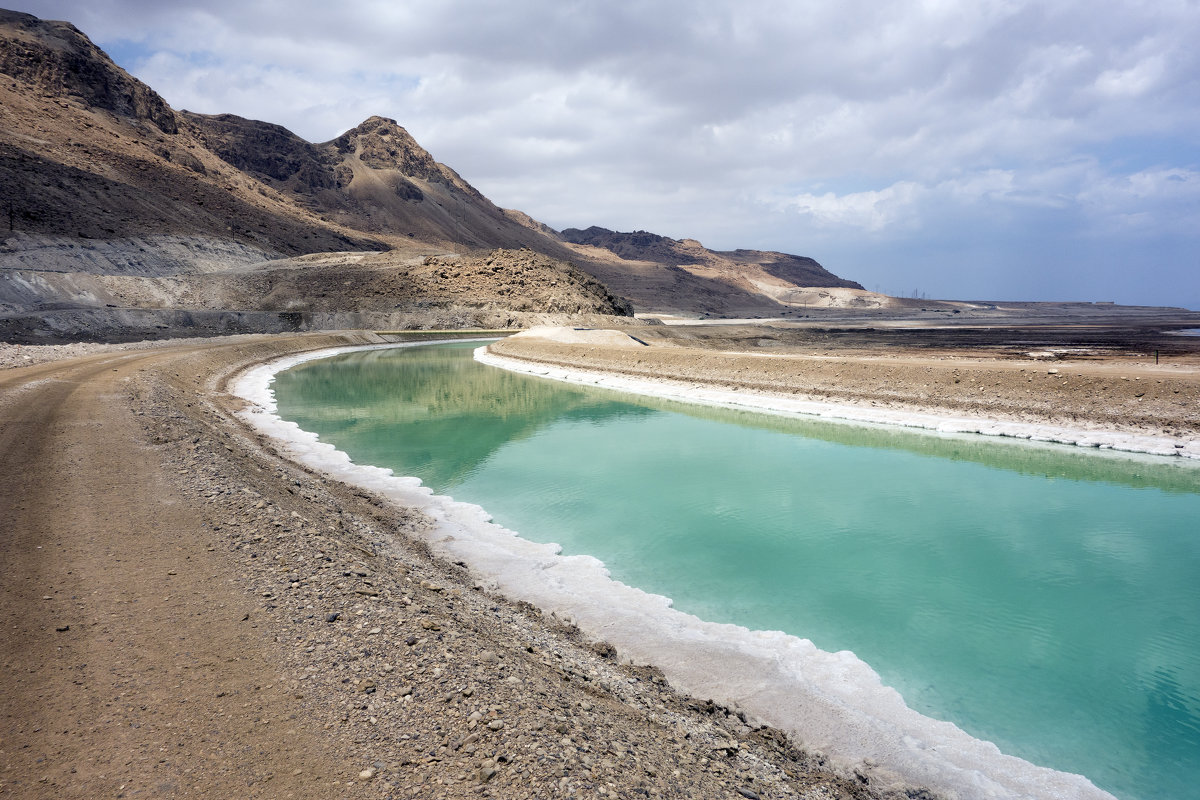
102	181
690	277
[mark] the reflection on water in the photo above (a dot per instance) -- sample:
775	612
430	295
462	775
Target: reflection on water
1041	598
454	413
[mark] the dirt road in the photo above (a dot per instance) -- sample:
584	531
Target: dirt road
128	667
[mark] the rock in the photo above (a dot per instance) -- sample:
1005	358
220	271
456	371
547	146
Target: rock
367	774
334	617
496	724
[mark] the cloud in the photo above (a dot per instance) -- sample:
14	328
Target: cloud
796	122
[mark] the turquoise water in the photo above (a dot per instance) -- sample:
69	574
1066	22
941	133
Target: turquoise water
1040	598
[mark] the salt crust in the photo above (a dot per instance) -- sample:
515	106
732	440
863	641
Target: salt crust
831	703
690	392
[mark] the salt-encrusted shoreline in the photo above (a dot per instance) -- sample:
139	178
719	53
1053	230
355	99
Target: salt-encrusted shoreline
779	404
832	703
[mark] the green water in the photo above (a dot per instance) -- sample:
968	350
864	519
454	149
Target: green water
1040	598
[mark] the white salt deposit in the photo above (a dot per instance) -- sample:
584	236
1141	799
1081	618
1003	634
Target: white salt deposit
831	703
700	394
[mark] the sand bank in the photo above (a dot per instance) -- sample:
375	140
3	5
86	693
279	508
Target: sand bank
737	388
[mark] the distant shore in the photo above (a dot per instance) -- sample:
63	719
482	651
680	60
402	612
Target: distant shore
1113	405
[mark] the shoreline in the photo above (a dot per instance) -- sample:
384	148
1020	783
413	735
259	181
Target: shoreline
725	392
775	672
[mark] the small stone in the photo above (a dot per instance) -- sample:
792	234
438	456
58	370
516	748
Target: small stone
374	631
429	625
367	686
367	774
496	724
747	793
334	617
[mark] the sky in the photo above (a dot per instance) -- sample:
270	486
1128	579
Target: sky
958	149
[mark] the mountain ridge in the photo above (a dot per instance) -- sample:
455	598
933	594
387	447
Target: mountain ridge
99	175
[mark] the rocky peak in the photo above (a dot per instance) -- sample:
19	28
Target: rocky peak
637	245
61	61
382	144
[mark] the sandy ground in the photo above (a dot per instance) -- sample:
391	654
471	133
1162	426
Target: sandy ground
1084	389
187	614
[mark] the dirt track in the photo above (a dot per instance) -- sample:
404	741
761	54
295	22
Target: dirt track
128	666
185	614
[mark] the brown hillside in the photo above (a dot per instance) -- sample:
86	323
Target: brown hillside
681	275
99	176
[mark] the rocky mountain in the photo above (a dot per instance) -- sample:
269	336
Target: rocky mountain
734	282
101	178
644	246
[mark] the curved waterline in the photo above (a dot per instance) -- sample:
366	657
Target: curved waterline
842	699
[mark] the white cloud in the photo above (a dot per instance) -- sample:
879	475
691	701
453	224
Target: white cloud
870	210
1134	81
1149	202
